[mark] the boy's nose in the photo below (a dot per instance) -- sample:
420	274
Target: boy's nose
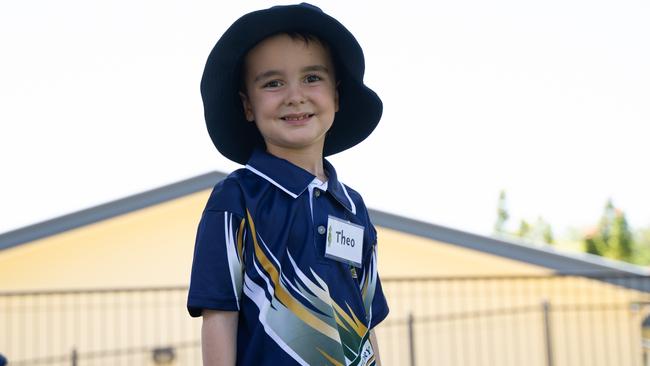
295	95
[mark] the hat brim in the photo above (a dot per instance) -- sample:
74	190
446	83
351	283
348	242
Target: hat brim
359	107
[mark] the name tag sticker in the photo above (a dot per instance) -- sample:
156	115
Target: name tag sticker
344	241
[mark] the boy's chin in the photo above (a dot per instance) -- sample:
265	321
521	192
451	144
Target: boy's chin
296	145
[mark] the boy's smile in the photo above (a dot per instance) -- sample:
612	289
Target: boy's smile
290	93
297	117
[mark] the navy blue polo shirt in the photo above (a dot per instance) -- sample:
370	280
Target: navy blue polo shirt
260	250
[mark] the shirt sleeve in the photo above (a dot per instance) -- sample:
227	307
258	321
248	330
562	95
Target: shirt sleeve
217	267
373	294
378	305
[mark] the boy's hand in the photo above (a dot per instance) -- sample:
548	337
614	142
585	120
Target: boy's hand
219	337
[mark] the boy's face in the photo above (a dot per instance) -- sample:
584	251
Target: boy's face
290	93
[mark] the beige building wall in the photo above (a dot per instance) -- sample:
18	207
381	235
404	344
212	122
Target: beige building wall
148	247
153	247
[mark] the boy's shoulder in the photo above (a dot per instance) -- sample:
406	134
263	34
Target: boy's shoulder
227	194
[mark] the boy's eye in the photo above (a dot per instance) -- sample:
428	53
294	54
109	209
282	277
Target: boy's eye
312	78
272	84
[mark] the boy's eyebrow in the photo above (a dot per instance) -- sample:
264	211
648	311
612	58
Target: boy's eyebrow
322	68
266	75
271	73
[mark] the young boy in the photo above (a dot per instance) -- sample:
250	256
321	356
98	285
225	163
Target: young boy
285	267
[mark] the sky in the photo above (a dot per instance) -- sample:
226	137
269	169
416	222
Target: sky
549	101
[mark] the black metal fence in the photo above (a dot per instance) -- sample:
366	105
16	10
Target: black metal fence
543	320
97	327
569	319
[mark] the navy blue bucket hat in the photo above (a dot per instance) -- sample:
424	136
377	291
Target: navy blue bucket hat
359	107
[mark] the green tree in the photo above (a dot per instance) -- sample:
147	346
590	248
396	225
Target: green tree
539	232
613	237
502	214
547	234
620	240
590	245
605	228
524	229
641	249
543	231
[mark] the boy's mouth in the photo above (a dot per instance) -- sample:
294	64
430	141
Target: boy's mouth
296	117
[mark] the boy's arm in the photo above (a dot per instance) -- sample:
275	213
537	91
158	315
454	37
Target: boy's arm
375	347
219	337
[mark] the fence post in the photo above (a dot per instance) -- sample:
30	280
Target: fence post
74	357
546	309
411	340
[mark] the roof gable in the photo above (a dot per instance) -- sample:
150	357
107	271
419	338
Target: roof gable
108	210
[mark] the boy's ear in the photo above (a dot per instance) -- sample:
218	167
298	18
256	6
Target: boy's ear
248	108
